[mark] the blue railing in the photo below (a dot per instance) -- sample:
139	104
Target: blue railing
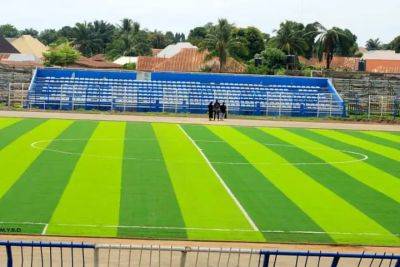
124	255
394	260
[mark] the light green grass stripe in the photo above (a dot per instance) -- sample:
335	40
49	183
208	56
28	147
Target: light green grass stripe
360	170
92	196
342	221
385	135
5	122
19	155
367	145
203	201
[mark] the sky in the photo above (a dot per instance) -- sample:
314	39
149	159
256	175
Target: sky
366	18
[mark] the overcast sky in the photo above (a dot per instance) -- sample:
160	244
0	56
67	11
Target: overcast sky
366	18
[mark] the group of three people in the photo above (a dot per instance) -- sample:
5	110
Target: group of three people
217	110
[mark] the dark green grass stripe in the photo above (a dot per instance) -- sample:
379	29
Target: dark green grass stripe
15	130
266	205
147	197
383	163
374	139
35	195
374	204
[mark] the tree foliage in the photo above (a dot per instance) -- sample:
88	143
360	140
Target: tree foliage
395	44
373	44
218	41
9	31
334	41
61	55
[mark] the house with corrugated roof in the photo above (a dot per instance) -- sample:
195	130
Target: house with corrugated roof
185	57
29	45
382	61
6	47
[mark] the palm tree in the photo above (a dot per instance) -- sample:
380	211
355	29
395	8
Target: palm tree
129	41
218	41
327	42
290	38
84	39
373	44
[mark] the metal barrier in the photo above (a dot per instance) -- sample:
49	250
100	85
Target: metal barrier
45	254
102	255
374	106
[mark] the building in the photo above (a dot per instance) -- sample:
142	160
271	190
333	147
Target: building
29	45
184	57
6	47
382	61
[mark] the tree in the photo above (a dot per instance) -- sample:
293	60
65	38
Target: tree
67	32
290	38
347	46
218	41
373	44
130	40
273	58
311	31
329	41
239	45
198	35
395	44
84	39
48	36
255	41
158	40
169	38
61	55
92	38
31	32
9	31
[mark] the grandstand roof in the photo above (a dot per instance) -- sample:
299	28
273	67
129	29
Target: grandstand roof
26	44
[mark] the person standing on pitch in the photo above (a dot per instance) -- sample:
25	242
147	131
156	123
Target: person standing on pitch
217	109
210	110
223	111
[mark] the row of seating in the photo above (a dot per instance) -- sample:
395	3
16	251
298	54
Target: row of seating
63	89
73	80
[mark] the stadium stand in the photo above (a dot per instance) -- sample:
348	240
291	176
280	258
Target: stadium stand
69	89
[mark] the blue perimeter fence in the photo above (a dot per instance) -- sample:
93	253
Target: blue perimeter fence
81	254
69	89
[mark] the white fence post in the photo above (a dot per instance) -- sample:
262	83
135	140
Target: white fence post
96	257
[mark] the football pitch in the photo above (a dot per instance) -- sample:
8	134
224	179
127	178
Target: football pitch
198	182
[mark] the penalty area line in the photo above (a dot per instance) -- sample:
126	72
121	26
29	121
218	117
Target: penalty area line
45	229
228	190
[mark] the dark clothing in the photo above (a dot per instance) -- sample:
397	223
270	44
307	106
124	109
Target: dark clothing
217	110
223	111
210	111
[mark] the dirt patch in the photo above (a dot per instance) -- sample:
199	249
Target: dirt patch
200	120
270	246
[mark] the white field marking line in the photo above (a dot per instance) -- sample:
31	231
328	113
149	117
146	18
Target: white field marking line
198	229
363	157
228	190
45	229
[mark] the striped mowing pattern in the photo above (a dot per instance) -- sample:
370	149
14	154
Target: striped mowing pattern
195	182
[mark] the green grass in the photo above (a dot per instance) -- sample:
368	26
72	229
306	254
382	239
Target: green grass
155	180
